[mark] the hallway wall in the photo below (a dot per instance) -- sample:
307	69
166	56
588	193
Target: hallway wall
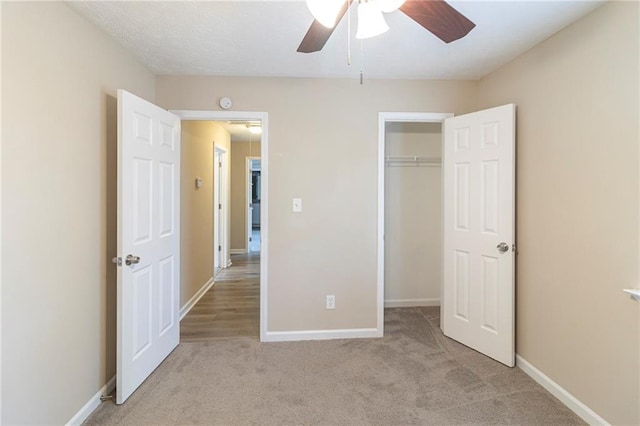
196	220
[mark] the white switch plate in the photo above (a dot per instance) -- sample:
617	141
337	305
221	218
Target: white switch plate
297	205
331	302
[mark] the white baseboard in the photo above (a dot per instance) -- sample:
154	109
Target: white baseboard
238	251
573	403
291	336
92	404
408	303
196	297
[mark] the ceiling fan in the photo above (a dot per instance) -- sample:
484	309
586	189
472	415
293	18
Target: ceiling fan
436	16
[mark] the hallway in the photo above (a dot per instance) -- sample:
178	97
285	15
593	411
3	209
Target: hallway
231	308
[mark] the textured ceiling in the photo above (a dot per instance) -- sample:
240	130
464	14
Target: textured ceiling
259	38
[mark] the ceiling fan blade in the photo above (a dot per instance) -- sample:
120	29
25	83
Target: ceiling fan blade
439	17
318	34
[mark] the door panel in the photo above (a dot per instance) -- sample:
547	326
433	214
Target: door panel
479	214
461	283
148	227
167	202
167	296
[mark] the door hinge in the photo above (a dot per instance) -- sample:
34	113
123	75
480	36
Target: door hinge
219	206
220	164
250	239
219	248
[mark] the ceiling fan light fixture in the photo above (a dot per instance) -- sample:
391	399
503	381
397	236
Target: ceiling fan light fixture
388	6
370	20
325	11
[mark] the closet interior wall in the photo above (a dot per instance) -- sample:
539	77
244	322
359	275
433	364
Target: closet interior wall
413	210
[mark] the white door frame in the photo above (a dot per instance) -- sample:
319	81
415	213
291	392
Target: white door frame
220	216
383	119
263	117
249	201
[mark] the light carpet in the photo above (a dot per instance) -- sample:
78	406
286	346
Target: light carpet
414	375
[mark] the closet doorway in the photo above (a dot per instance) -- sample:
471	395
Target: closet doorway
477	232
409	145
413	214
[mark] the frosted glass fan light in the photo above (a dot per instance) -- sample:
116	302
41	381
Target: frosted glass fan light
388	6
370	20
325	11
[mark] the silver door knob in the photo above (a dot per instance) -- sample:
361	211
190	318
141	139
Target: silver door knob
503	247
132	260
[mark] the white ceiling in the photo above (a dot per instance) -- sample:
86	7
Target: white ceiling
260	38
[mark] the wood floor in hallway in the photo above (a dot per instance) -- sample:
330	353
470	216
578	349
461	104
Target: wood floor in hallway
231	307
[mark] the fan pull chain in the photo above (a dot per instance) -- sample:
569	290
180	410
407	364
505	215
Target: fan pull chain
361	62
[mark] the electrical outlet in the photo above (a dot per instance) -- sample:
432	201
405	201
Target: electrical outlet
331	302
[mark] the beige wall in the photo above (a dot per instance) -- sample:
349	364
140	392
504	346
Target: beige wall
323	149
59	81
239	220
196	220
577	220
413	210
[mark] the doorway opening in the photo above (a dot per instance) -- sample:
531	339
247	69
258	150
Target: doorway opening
409	148
413	207
238	274
254	203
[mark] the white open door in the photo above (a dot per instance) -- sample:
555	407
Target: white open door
479	231
148	240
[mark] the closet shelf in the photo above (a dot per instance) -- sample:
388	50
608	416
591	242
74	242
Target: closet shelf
413	160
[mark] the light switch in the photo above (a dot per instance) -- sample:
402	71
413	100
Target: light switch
297	205
198	183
